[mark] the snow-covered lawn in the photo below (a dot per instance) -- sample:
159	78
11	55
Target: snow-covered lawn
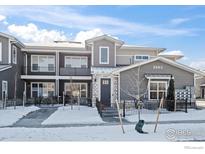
148	115
10	115
105	133
79	115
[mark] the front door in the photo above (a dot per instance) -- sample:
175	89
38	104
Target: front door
105	91
4	90
202	92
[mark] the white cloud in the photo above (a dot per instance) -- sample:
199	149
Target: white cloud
174	52
77	19
31	33
2	17
84	35
199	64
178	21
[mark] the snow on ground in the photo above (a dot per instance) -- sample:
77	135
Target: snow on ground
79	115
106	133
149	115
10	115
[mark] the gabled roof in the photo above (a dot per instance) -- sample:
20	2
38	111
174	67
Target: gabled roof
13	39
107	37
4	67
162	59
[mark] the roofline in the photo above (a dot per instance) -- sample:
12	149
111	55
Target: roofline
170	62
141	47
172	56
104	36
5	68
13	39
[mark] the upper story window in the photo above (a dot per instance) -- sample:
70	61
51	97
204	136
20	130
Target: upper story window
1	51
104	55
43	63
14	54
141	57
76	61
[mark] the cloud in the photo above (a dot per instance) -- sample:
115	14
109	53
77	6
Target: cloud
77	19
31	33
199	64
178	21
2	17
174	52
84	35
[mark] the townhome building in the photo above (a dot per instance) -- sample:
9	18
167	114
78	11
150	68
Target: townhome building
103	68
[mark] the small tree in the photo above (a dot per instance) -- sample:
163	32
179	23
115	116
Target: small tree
170	100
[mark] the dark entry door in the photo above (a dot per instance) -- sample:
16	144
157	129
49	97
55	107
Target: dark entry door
105	91
202	92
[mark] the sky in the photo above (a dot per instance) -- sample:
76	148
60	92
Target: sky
179	29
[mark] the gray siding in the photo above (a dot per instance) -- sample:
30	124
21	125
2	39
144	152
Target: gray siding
111	46
9	76
182	77
5	46
199	82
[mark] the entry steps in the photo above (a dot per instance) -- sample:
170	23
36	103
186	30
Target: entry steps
109	112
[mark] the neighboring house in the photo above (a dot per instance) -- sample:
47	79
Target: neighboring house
200	87
11	63
102	67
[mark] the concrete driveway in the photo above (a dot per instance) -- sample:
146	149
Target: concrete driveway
35	118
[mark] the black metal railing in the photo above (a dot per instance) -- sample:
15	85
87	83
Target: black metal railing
75	71
38	69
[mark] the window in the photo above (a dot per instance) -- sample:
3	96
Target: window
157	89
76	62
141	57
104	55
44	89
14	54
76	89
1	51
42	63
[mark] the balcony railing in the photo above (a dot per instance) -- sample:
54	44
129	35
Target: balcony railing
75	71
38	70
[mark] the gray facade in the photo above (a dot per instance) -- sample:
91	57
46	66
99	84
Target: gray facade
182	78
11	74
5	50
96	47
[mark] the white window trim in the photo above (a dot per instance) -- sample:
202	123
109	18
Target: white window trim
14	49
1	51
3	81
38	63
141	56
157	88
38	87
65	62
86	87
108	53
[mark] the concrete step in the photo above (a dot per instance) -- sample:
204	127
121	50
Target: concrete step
109	114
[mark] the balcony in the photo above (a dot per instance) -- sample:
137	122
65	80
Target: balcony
38	70
75	71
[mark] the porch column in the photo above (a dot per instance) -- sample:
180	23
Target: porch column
148	88
25	66
57	88
25	89
57	63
